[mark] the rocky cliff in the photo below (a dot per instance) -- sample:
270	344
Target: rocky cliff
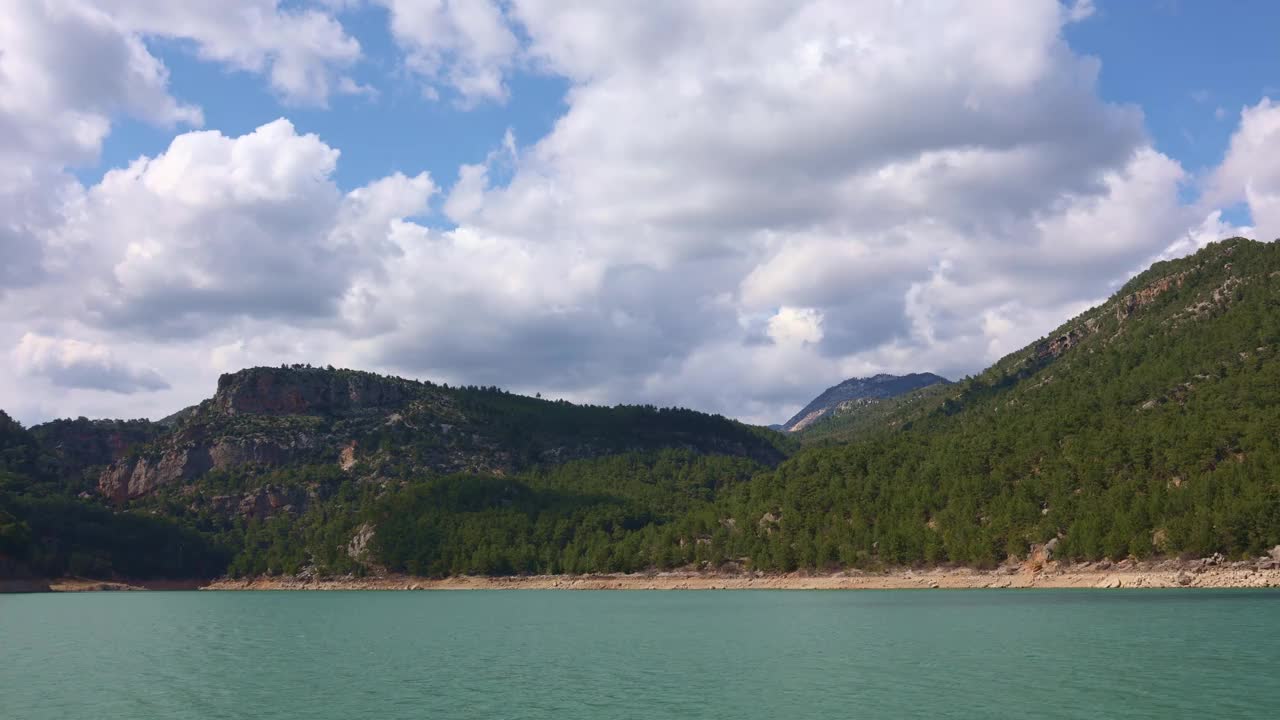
380	426
310	391
263	417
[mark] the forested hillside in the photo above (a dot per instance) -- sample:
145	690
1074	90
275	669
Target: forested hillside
46	532
1147	425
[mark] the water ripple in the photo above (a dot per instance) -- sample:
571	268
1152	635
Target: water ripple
607	655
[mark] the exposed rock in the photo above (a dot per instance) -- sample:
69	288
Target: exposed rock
182	461
347	458
264	502
358	548
265	418
1055	346
1049	547
1129	304
271	500
294	391
135	477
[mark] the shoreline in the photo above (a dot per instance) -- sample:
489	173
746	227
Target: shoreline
1206	573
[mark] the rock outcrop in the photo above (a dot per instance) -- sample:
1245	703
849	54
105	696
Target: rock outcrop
264	502
308	391
262	419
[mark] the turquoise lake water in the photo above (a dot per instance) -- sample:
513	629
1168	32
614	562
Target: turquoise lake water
600	655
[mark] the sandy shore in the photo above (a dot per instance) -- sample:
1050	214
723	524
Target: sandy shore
73	584
1207	573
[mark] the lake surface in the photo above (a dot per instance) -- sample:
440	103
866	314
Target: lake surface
664	654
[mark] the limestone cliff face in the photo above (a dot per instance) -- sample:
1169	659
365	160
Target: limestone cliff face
264	502
386	428
183	459
267	417
281	391
135	477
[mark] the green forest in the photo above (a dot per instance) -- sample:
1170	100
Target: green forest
1147	426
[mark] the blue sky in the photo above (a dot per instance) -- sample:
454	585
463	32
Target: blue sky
724	211
399	128
1190	67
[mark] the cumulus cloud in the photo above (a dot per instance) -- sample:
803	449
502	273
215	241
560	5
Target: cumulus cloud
65	70
304	52
75	364
465	45
217	228
738	207
69	68
795	325
1249	172
901	186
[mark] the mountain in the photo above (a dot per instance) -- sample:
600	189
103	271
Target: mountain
81	447
264	418
45	531
282	467
1148	425
861	419
859	392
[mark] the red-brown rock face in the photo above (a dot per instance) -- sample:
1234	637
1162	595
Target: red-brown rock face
223	433
273	391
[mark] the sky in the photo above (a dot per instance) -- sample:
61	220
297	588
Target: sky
724	205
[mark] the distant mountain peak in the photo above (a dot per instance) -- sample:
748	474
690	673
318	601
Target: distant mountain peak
880	386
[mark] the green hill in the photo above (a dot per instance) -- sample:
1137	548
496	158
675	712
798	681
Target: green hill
1147	425
46	532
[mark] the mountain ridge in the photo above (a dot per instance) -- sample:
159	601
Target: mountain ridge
273	417
1146	426
881	386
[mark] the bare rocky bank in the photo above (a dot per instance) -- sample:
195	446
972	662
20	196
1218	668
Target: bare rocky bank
1212	572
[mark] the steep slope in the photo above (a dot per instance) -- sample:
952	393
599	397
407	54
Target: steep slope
1146	425
856	393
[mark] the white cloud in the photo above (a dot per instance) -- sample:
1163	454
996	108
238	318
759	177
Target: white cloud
75	364
1080	10
218	228
66	69
736	209
466	45
303	52
900	185
792	325
1249	172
